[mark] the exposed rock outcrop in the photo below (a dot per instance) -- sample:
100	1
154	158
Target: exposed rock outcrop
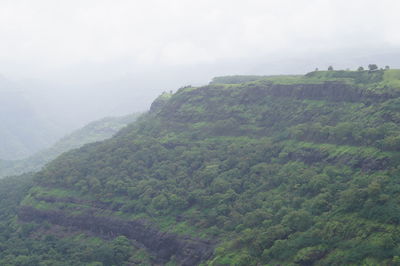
187	251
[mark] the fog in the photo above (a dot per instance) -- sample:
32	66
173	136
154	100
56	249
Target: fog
78	61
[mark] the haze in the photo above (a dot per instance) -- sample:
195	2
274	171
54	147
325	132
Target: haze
77	61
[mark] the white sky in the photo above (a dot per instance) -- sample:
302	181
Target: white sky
37	37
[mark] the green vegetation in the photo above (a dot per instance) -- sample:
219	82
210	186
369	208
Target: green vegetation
48	245
298	170
95	131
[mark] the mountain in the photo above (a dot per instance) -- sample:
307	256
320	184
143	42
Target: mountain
281	170
23	130
93	132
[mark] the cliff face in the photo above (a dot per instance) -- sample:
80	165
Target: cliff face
330	91
186	251
256	94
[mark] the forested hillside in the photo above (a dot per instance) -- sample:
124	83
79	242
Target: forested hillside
95	131
282	170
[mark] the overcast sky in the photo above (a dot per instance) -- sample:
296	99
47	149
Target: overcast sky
135	49
46	35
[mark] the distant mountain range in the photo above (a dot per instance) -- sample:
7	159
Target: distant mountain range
23	131
95	131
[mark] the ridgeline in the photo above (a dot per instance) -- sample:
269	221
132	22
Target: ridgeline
248	170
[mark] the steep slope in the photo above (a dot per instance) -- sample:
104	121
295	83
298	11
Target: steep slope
95	131
42	248
298	170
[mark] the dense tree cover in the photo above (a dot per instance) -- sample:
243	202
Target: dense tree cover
302	171
45	247
95	131
12	191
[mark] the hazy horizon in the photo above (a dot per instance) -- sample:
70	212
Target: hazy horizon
79	61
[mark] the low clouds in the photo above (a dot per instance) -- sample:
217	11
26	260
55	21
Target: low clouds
46	35
81	60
